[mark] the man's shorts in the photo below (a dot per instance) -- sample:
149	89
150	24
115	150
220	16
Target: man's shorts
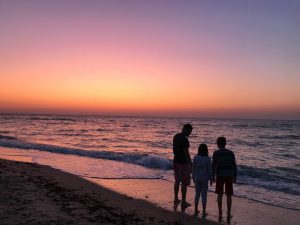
182	173
227	181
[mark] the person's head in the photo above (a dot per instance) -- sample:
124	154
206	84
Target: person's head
221	142
203	150
187	129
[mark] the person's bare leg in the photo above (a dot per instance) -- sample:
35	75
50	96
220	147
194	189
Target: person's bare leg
176	190
229	203
183	193
220	206
204	214
184	203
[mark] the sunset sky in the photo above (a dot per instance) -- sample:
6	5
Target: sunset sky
160	57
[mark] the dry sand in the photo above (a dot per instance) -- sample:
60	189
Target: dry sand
32	194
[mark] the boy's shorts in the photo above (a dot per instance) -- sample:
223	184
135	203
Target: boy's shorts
227	181
182	173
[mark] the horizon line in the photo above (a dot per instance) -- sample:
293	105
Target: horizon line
151	115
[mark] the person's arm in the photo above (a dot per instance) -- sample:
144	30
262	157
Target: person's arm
209	169
188	157
214	163
234	169
193	170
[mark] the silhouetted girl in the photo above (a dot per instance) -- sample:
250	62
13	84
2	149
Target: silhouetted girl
202	173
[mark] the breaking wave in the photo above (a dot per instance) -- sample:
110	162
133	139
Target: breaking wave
146	160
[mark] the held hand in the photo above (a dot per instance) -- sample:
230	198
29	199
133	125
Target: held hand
234	180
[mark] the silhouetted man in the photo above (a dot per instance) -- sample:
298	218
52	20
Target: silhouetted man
182	165
225	171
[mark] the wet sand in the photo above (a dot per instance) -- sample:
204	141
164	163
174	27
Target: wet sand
244	211
35	194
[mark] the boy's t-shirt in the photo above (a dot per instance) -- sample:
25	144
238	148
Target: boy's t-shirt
224	164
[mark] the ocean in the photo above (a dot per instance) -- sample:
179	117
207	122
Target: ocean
102	147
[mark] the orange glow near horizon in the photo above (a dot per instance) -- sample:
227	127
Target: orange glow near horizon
100	57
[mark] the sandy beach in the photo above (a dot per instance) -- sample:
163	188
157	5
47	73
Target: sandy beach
34	194
245	211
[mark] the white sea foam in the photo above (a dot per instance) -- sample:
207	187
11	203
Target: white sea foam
149	161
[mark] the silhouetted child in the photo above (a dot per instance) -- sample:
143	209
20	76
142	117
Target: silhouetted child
225	172
202	173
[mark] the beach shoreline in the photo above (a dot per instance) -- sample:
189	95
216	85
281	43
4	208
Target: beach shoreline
245	211
39	194
36	194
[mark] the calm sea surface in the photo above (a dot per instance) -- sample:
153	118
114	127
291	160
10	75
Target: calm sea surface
267	151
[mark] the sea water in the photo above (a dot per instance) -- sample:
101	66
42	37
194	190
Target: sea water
267	151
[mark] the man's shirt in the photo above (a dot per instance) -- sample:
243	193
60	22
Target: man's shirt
180	143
